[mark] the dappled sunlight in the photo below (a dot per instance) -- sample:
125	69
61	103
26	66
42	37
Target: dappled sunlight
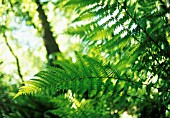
84	59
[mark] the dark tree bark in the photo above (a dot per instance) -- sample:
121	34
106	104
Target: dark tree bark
48	38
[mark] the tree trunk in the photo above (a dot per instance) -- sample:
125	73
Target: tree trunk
48	38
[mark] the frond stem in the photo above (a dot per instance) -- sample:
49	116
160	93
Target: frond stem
143	29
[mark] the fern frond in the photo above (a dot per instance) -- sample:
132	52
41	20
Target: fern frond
71	76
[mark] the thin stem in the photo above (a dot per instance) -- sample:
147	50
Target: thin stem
16	58
147	34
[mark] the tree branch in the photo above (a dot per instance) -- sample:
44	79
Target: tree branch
16	58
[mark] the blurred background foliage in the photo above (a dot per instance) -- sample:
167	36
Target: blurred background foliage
129	39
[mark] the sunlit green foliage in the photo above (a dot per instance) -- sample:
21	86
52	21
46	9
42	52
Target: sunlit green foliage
131	40
125	65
